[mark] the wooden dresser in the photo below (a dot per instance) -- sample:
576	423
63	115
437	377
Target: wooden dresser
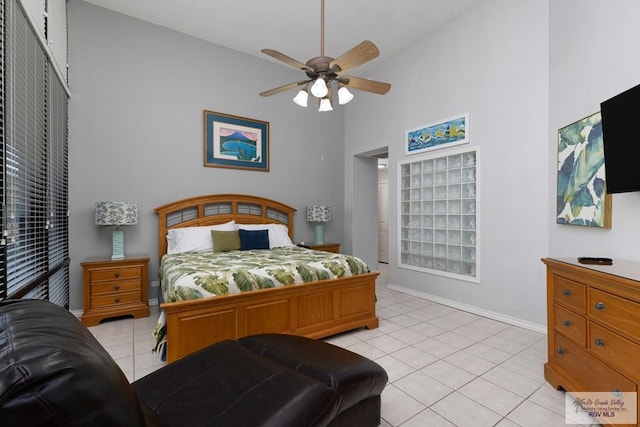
114	288
593	320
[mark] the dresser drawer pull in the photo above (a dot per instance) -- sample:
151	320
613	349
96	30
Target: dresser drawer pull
599	306
116	274
600	342
566	323
566	292
560	351
117	300
116	287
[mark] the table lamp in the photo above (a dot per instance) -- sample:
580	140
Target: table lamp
318	214
117	213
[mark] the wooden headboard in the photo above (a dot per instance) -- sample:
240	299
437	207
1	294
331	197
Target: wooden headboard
218	209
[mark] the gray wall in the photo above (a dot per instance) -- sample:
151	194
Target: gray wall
136	132
493	63
522	69
593	57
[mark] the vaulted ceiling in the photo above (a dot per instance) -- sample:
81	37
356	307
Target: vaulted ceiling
293	26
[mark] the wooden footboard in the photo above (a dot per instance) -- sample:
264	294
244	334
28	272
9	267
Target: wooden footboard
314	310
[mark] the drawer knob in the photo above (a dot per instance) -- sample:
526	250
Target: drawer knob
560	351
600	342
599	306
117	300
116	274
566	292
566	323
117	287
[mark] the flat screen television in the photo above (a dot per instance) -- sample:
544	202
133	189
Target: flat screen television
621	142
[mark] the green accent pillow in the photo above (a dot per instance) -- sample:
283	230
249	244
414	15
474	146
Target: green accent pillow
225	241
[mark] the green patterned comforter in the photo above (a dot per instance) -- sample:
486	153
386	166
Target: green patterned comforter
200	275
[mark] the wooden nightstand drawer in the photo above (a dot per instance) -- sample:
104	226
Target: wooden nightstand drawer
115	299
116	274
570	324
569	293
114	288
326	247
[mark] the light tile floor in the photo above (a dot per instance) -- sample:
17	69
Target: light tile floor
446	367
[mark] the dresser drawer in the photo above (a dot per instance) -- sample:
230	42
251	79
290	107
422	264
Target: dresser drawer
115	286
569	293
615	350
116	274
592	374
115	299
619	313
570	324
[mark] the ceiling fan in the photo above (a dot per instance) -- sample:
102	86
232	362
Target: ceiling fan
324	74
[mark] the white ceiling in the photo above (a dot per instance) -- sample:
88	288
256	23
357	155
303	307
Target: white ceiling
293	26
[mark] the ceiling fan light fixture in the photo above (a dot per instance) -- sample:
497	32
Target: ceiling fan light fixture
319	88
325	105
344	96
301	98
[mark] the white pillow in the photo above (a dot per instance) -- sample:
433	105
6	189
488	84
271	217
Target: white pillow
194	239
278	233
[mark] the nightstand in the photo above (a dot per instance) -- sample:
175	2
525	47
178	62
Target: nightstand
326	246
114	288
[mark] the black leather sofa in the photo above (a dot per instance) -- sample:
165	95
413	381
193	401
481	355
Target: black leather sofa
53	372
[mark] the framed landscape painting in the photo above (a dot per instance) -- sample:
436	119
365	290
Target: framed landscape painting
582	198
444	133
235	142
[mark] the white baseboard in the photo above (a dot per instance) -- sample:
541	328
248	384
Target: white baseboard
472	309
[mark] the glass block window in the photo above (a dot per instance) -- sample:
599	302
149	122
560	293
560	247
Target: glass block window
438	214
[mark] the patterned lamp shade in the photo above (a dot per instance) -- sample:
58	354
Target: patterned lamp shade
116	213
318	214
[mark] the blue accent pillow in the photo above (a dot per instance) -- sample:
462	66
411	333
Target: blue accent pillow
253	239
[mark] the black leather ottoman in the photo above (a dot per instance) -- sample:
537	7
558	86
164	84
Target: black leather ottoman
267	380
53	372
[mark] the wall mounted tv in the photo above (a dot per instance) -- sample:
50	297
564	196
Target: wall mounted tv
621	142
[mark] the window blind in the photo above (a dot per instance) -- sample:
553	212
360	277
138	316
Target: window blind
35	175
58	189
3	272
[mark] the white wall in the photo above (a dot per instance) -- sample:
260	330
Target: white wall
493	63
136	131
594	56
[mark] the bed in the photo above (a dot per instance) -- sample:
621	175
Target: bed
315	309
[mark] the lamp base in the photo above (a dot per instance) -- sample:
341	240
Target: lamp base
319	239
117	239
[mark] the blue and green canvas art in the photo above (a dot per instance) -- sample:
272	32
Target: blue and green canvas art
582	198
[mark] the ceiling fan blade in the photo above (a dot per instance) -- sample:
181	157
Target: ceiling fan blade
366	85
283	88
364	52
286	59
